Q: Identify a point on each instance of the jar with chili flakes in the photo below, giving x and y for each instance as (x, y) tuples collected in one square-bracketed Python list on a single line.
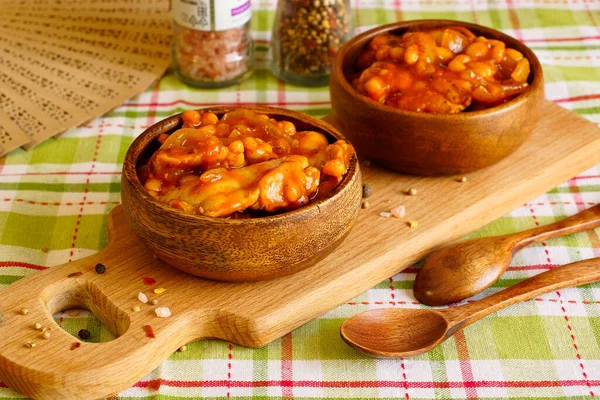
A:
[(307, 35), (212, 46)]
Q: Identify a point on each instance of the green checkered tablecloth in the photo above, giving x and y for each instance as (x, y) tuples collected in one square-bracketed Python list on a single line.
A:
[(57, 197)]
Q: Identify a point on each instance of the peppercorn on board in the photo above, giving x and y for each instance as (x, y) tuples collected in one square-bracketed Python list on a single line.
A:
[(253, 314)]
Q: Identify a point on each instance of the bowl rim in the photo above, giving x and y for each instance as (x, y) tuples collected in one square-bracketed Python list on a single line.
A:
[(364, 37), (170, 124)]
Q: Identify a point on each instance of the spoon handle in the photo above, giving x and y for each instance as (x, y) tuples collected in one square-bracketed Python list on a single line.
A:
[(583, 221), (573, 274)]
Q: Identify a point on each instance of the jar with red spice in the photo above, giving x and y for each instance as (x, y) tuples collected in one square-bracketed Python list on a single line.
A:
[(307, 36), (212, 46)]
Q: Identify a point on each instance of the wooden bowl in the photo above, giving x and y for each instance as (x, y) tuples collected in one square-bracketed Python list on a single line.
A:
[(243, 249), (432, 144)]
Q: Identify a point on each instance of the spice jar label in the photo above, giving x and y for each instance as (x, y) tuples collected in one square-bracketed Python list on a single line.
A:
[(211, 15)]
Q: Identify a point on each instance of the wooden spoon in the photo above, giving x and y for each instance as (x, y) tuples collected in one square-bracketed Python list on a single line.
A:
[(466, 268), (400, 332)]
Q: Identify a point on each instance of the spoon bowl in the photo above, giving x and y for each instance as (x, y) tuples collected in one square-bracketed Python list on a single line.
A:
[(387, 332), (461, 270)]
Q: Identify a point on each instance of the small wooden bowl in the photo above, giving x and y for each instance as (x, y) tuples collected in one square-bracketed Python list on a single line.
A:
[(244, 249), (433, 144)]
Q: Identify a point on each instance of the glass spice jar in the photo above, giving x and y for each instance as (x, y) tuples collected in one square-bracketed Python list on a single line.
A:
[(307, 36), (212, 46)]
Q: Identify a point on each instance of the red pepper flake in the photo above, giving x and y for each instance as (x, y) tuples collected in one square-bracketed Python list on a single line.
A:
[(154, 384), (149, 331), (74, 274), (149, 281), (75, 345)]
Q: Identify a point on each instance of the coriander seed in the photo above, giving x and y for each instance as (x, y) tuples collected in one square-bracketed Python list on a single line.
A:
[(30, 345), (183, 348), (367, 190), (463, 179), (46, 335), (136, 309), (154, 302), (412, 191), (37, 326), (24, 311)]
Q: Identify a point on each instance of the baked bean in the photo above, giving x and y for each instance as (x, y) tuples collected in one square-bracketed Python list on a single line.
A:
[(440, 71), (382, 52), (521, 71), (190, 118), (514, 54), (477, 50), (411, 55), (397, 53), (458, 63)]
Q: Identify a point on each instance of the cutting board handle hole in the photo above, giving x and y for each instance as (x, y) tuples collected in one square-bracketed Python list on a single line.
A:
[(64, 297)]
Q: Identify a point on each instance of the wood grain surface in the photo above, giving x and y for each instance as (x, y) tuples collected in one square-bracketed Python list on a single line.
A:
[(253, 314)]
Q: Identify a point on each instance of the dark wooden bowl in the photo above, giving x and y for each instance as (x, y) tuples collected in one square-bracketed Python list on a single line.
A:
[(245, 249), (432, 144)]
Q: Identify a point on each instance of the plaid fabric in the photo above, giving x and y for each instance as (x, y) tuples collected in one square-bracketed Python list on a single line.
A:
[(58, 195)]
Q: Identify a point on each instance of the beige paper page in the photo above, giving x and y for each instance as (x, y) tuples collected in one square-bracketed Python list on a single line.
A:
[(63, 64)]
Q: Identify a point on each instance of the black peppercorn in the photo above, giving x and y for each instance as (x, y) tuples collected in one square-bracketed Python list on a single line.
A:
[(84, 334), (100, 268)]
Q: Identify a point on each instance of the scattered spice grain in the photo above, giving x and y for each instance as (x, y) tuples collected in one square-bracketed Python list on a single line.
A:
[(24, 311), (149, 281), (163, 312), (154, 302), (385, 214), (412, 191), (136, 309), (159, 290), (142, 297), (463, 179), (84, 334), (44, 249), (30, 345), (398, 212), (75, 345), (367, 190), (364, 204), (73, 313), (149, 331), (183, 348), (367, 163), (46, 335), (37, 326), (413, 224), (74, 274), (100, 268)]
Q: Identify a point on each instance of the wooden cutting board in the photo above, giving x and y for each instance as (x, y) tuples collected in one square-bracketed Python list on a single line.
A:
[(254, 314)]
